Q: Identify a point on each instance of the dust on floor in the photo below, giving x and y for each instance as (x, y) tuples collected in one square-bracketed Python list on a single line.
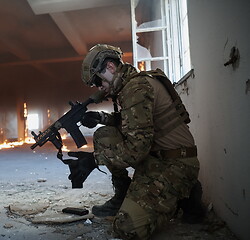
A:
[(35, 189)]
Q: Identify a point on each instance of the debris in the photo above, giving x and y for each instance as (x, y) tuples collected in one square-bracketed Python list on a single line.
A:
[(20, 184), (87, 222), (26, 208), (44, 205), (103, 195), (42, 180), (214, 226), (8, 225), (210, 207), (55, 217), (77, 211), (110, 218)]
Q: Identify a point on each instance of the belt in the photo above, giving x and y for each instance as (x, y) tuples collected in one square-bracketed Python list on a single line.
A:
[(184, 152)]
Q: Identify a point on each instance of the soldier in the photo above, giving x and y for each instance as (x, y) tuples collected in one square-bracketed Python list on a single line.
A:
[(148, 131)]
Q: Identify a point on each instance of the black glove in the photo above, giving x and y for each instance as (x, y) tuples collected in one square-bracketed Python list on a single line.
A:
[(91, 119), (80, 168)]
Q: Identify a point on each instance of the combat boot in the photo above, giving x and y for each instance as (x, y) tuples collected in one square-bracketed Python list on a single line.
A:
[(112, 206), (193, 209)]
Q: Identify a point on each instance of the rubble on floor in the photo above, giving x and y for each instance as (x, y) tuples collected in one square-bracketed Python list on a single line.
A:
[(43, 217), (35, 188)]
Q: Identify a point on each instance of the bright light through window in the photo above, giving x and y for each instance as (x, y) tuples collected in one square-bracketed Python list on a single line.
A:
[(32, 121), (160, 36)]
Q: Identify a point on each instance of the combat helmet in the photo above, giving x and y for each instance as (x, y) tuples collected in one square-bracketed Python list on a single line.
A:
[(92, 63)]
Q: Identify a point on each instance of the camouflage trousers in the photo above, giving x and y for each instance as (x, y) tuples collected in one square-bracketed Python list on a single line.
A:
[(157, 185)]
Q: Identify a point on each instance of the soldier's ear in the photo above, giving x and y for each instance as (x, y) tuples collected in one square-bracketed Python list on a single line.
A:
[(111, 67)]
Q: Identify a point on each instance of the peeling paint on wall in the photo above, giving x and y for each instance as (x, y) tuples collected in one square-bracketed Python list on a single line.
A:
[(247, 86), (244, 193), (231, 210), (234, 58)]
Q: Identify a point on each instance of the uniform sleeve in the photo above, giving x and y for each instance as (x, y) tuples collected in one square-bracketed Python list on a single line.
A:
[(136, 101)]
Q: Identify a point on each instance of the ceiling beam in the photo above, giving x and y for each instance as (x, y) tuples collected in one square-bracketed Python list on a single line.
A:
[(16, 49), (53, 60), (70, 32), (42, 61), (52, 6)]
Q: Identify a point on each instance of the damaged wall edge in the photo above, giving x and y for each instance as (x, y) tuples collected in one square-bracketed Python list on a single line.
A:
[(184, 78)]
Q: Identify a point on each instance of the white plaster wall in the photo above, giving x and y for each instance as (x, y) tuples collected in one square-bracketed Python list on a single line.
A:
[(220, 106)]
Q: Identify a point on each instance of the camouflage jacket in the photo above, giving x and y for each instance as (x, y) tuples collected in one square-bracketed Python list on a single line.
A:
[(135, 100), (144, 108)]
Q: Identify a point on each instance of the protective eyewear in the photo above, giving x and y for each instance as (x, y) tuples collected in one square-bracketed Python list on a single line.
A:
[(97, 81)]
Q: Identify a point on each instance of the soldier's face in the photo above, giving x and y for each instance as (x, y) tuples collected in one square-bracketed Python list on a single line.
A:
[(105, 87), (108, 75)]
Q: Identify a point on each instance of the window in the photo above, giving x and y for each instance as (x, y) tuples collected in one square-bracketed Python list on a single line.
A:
[(32, 121), (160, 36)]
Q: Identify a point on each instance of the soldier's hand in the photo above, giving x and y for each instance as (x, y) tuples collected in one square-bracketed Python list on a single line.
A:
[(80, 168), (86, 160), (91, 119)]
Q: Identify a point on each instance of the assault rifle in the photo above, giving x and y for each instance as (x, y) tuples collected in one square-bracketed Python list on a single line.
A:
[(69, 122)]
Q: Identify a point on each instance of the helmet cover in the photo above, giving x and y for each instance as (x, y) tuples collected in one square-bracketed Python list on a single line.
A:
[(93, 62)]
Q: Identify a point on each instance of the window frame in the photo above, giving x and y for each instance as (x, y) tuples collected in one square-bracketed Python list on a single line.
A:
[(174, 37)]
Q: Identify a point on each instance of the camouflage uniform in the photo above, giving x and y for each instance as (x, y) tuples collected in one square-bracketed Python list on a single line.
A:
[(159, 181)]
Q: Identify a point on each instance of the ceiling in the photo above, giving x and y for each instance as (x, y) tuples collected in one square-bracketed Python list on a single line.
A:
[(43, 42)]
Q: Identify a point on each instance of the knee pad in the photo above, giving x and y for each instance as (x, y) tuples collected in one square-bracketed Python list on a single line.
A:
[(133, 222), (123, 226)]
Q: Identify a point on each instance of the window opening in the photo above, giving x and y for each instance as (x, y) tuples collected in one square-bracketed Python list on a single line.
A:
[(32, 121), (160, 36)]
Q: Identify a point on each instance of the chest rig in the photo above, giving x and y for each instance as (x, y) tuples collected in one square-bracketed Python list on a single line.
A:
[(177, 117)]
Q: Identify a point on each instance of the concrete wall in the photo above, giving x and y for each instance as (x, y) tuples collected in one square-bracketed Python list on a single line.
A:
[(218, 99)]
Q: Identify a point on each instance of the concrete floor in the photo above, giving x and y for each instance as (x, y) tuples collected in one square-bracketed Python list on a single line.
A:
[(34, 186)]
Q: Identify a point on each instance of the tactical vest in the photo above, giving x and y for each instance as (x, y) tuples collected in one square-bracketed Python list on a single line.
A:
[(180, 115)]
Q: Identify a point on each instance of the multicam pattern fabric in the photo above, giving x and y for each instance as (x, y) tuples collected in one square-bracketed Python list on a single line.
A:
[(158, 183), (133, 142), (153, 194), (107, 141)]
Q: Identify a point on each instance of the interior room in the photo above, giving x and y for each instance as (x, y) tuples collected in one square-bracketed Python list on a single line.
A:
[(202, 46)]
